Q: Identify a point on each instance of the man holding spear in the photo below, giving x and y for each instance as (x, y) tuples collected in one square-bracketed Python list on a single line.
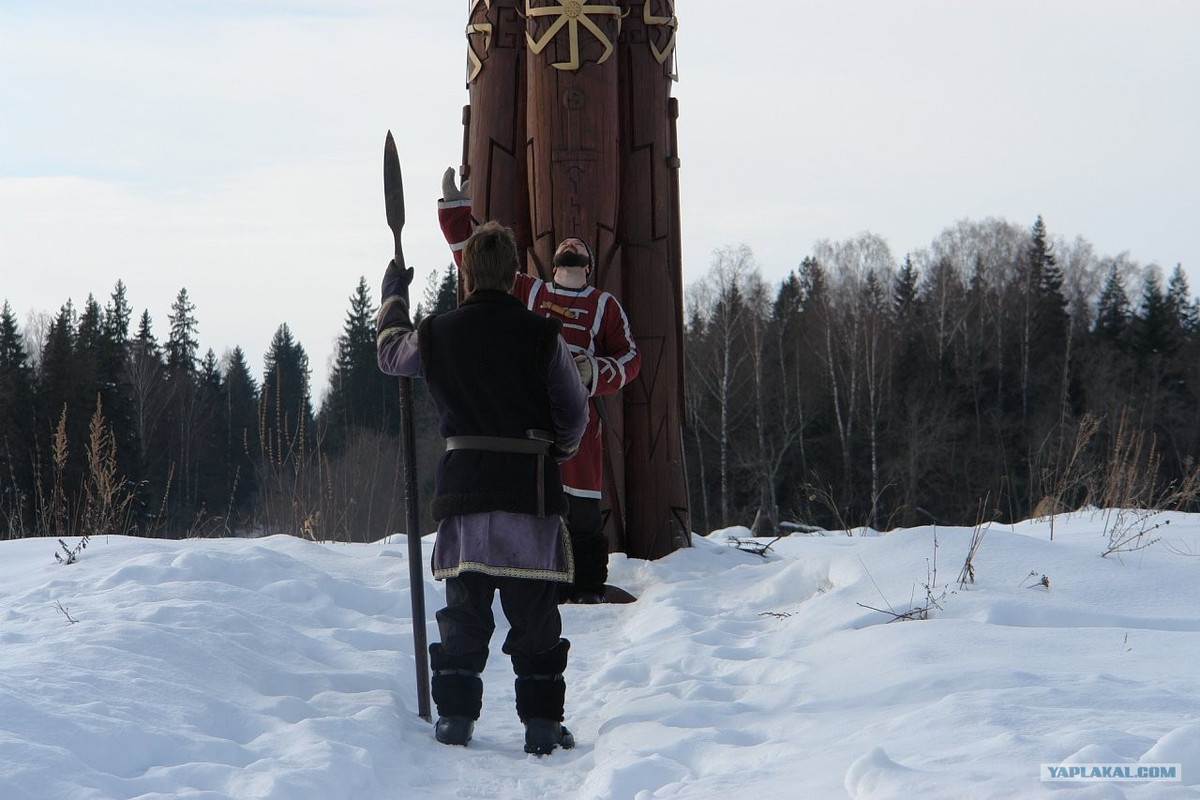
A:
[(511, 406)]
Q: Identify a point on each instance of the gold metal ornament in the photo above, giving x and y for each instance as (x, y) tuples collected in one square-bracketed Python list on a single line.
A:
[(671, 22), (476, 62), (572, 13), (486, 29)]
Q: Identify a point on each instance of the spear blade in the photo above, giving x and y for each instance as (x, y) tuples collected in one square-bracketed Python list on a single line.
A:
[(393, 194)]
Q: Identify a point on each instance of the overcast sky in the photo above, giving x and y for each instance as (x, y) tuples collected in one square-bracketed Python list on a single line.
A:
[(235, 148)]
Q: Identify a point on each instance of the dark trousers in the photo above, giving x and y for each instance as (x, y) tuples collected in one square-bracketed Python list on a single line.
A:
[(539, 654), (466, 623), (588, 543)]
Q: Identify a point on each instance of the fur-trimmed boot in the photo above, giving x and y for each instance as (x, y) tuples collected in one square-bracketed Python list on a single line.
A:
[(541, 698), (458, 693)]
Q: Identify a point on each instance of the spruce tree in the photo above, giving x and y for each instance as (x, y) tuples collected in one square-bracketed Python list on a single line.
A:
[(56, 393), (16, 427), (87, 352), (182, 344), (1051, 318), (447, 296), (906, 309), (16, 375), (1157, 326), (441, 294), (150, 394), (1045, 264), (117, 314), (287, 406), (1185, 308), (1112, 311), (1046, 355), (1109, 375), (184, 412), (239, 391), (116, 390), (210, 371), (813, 282), (793, 388), (1168, 362), (89, 382), (359, 394), (212, 497), (904, 290), (56, 380), (144, 337)]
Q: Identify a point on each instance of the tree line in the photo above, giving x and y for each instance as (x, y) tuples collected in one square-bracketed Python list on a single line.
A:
[(999, 373), (105, 428)]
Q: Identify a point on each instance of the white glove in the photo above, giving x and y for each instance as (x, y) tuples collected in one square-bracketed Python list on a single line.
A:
[(452, 192), (584, 365)]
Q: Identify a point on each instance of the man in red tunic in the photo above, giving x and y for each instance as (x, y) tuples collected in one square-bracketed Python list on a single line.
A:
[(596, 330)]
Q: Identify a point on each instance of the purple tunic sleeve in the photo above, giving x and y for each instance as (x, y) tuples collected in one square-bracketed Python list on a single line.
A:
[(395, 340), (398, 354)]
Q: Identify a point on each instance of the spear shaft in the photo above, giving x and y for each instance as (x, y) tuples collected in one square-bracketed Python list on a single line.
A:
[(393, 195)]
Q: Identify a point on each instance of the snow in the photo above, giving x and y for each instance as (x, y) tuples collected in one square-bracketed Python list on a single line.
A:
[(283, 668)]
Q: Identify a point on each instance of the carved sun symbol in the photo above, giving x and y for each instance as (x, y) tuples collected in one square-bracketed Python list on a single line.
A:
[(572, 13)]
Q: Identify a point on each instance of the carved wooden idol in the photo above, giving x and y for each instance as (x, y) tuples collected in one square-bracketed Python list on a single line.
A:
[(570, 131)]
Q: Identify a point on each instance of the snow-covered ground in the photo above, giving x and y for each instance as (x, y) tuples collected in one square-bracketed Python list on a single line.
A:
[(280, 668)]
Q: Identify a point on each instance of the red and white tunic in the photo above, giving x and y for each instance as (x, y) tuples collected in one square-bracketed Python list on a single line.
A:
[(593, 324)]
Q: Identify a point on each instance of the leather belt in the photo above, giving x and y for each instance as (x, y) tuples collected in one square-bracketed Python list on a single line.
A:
[(536, 443)]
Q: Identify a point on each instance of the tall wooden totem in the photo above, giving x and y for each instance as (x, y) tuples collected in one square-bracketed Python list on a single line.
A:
[(570, 131)]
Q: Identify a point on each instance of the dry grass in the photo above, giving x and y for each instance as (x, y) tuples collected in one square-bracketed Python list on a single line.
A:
[(107, 499), (1131, 495), (967, 573)]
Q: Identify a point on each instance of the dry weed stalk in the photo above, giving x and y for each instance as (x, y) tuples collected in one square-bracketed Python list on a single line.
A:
[(824, 497), (915, 612), (296, 489), (1132, 499), (967, 574), (1043, 581), (751, 546), (106, 499), (1070, 476), (72, 553), (1132, 468), (161, 517), (14, 506), (57, 514), (66, 612)]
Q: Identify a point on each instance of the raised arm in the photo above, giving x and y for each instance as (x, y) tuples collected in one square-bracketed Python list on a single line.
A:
[(454, 214), (395, 340)]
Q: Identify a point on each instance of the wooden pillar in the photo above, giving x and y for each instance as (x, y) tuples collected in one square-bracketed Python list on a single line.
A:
[(570, 131), (572, 124), (656, 512), (494, 122)]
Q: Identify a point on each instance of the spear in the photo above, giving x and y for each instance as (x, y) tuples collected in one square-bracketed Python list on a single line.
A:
[(393, 196)]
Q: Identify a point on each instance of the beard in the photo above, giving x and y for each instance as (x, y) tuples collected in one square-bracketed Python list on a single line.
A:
[(570, 258)]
